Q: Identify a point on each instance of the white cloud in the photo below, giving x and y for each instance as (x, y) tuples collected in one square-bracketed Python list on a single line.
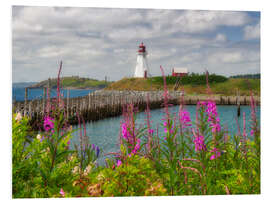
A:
[(203, 21), (225, 57), (220, 38), (92, 41), (252, 31), (233, 55)]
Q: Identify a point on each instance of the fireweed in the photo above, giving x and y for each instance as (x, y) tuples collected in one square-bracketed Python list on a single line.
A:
[(150, 132), (130, 135), (198, 141), (46, 162), (48, 123), (184, 158), (184, 119)]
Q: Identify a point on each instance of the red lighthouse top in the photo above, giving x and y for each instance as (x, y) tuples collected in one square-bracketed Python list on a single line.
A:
[(141, 48)]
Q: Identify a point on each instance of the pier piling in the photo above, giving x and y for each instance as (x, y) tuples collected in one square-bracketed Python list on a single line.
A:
[(102, 104)]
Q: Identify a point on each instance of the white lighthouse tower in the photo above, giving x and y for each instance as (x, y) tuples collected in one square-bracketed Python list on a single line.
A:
[(141, 69)]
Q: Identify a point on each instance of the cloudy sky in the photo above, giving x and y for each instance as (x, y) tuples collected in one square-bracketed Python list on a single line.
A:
[(96, 42)]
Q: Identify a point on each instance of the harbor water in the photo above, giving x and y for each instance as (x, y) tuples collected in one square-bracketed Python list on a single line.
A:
[(105, 133)]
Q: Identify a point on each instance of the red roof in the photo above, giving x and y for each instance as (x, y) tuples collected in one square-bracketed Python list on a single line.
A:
[(141, 48)]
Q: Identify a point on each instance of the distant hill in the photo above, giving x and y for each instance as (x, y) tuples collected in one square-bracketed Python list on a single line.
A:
[(22, 84), (221, 87), (73, 82), (247, 76)]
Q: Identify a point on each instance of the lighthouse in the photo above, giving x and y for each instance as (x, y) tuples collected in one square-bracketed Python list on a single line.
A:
[(141, 69)]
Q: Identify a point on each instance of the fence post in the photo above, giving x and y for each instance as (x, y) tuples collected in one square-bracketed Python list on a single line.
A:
[(25, 101), (68, 103)]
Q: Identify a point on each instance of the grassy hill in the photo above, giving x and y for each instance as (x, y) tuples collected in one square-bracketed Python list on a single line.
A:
[(22, 84), (227, 87), (248, 76), (73, 82)]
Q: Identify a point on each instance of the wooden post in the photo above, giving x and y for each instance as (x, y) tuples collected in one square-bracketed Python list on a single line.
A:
[(25, 101), (30, 110), (238, 108), (49, 88), (72, 106), (68, 102), (44, 99)]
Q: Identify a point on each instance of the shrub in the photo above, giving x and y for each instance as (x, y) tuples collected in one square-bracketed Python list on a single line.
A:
[(191, 79), (134, 176)]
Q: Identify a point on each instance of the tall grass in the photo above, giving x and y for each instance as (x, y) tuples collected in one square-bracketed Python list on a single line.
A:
[(229, 87)]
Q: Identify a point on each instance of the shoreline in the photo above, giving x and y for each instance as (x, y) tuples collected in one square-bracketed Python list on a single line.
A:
[(67, 88), (102, 104), (132, 96)]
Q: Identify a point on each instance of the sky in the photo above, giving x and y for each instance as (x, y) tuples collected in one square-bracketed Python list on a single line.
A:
[(99, 42)]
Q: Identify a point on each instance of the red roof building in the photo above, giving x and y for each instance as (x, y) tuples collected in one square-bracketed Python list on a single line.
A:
[(179, 72)]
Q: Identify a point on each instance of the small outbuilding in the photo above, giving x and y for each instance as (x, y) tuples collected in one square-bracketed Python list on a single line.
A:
[(179, 72)]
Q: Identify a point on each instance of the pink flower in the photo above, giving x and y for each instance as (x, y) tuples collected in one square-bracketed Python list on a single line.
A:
[(151, 131), (124, 131), (213, 119), (137, 147), (216, 154), (215, 127), (199, 142), (251, 132), (165, 130), (184, 118), (119, 162), (48, 123), (62, 192), (212, 157)]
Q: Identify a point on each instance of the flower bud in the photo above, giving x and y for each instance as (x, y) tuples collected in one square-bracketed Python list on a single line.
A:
[(18, 117), (39, 137)]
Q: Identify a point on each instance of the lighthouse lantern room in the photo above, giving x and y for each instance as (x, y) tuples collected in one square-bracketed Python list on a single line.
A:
[(141, 69)]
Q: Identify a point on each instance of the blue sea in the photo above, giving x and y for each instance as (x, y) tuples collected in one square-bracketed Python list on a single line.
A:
[(105, 133), (18, 93)]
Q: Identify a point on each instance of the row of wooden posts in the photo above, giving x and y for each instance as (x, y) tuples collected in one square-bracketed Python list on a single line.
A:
[(103, 104)]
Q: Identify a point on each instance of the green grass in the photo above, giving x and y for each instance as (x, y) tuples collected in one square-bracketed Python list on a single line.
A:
[(193, 79), (75, 82), (228, 87), (233, 85)]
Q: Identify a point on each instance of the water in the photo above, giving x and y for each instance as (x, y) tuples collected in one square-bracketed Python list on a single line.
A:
[(105, 133), (18, 93)]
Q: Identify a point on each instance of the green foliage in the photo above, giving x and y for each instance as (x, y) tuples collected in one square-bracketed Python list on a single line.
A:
[(134, 177), (22, 168), (192, 79), (247, 76), (40, 165), (231, 86), (242, 86), (74, 82), (172, 163)]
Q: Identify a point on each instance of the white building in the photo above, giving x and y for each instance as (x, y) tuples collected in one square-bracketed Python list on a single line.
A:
[(141, 69), (179, 71)]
